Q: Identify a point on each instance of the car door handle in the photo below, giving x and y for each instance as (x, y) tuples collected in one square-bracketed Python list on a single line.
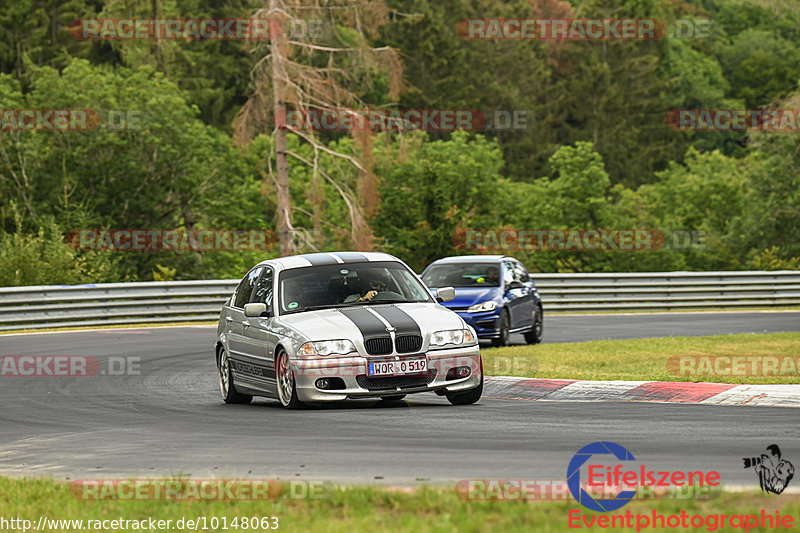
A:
[(246, 324), (228, 319)]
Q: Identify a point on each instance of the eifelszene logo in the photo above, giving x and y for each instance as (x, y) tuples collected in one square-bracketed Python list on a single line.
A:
[(600, 474), (574, 476), (774, 473)]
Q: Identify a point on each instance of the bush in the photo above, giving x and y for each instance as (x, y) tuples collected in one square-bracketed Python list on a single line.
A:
[(45, 258)]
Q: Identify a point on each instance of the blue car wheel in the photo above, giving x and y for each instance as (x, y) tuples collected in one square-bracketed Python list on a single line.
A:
[(504, 325), (536, 334)]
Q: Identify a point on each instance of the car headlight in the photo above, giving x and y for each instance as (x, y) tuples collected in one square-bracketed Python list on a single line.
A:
[(481, 307), (323, 348), (455, 337)]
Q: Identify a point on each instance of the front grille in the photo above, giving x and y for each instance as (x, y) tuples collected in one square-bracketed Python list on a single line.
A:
[(408, 343), (379, 346), (392, 382)]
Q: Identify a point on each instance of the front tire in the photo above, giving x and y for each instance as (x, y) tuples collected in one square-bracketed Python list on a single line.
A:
[(505, 327), (469, 397), (226, 385), (284, 375), (536, 335)]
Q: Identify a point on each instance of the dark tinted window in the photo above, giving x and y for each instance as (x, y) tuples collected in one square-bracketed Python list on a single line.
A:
[(463, 275), (521, 273), (508, 273), (263, 292), (344, 284), (246, 287)]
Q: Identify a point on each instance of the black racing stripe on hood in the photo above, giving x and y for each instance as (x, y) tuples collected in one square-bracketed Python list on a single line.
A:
[(368, 324), (399, 319)]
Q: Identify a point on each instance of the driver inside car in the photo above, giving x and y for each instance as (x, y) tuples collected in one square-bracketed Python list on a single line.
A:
[(492, 277), (373, 284)]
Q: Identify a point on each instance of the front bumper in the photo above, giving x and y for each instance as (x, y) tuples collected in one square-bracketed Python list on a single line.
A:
[(486, 324), (352, 370)]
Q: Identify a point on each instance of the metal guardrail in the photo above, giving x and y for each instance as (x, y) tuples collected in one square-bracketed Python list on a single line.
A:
[(54, 306), (665, 291)]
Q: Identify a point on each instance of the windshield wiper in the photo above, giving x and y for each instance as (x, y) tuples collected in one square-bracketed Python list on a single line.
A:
[(319, 307), (395, 301), (330, 306), (354, 303)]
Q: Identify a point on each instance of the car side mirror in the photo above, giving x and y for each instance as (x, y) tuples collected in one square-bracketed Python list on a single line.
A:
[(253, 310), (445, 294), (515, 285)]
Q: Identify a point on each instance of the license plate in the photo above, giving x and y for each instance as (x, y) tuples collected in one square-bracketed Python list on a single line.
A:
[(392, 368)]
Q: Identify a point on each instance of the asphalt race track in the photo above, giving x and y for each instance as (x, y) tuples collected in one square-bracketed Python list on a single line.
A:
[(168, 419), (580, 328)]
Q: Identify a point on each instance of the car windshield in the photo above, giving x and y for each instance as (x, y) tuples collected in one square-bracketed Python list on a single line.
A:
[(463, 275), (350, 284)]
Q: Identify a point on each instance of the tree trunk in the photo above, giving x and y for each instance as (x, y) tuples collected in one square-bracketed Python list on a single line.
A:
[(157, 37), (285, 237)]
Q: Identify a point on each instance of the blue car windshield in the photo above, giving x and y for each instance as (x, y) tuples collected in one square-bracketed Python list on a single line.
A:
[(463, 275), (349, 284)]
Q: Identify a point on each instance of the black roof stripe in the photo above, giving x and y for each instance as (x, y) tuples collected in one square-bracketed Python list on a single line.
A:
[(350, 257), (320, 259)]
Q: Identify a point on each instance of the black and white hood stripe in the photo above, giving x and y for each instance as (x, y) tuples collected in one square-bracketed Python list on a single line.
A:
[(360, 323)]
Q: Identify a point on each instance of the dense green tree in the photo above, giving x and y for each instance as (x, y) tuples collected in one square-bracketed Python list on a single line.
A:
[(709, 194), (774, 194), (445, 71), (429, 190), (37, 32), (159, 170), (597, 152), (213, 73)]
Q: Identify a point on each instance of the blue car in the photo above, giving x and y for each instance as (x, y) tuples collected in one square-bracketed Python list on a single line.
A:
[(494, 295)]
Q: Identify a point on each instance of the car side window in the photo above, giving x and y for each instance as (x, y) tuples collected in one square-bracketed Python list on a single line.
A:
[(508, 273), (521, 273), (263, 292), (246, 287)]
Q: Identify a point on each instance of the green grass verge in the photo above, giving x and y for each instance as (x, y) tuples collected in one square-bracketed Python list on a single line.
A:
[(356, 509), (641, 359)]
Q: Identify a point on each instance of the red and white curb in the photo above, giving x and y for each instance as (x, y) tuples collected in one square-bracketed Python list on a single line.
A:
[(566, 390)]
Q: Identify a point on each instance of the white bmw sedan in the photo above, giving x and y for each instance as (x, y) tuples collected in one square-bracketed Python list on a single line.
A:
[(331, 326)]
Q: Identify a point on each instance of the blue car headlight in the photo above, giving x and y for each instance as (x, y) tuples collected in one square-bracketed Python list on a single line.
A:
[(483, 306)]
